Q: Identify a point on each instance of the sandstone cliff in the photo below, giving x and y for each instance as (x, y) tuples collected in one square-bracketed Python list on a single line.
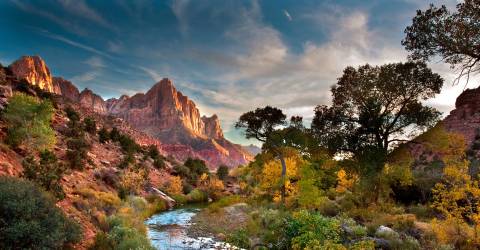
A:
[(167, 114), (34, 70), (65, 88), (465, 118)]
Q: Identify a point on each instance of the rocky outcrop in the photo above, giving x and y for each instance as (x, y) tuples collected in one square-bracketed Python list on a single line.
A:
[(465, 118), (34, 70), (212, 127), (93, 101), (65, 88)]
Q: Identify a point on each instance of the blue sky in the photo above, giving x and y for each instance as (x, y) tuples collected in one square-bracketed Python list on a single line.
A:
[(228, 56)]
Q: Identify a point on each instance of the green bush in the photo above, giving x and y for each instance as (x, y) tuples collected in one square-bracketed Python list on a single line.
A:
[(197, 195), (114, 134), (47, 173), (75, 128), (159, 163), (28, 122), (306, 229), (239, 238), (128, 145), (30, 219), (191, 170), (77, 152), (103, 135), (120, 235), (90, 125), (222, 172)]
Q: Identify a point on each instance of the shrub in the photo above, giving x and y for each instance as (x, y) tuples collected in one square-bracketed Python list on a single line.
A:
[(30, 219), (114, 134), (197, 195), (103, 135), (159, 163), (127, 144), (174, 185), (47, 173), (77, 152), (239, 238), (121, 235), (28, 122), (75, 128), (307, 229), (131, 182), (90, 125), (196, 168), (222, 172), (153, 152)]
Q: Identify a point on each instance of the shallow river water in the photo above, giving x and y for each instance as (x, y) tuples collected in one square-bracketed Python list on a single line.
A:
[(168, 230)]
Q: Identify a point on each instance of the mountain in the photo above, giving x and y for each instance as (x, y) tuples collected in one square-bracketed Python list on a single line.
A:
[(162, 112), (167, 114)]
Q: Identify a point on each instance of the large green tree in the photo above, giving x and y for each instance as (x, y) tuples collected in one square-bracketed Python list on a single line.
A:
[(452, 36), (376, 106)]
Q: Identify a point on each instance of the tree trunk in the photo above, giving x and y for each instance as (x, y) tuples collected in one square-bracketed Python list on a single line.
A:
[(284, 173)]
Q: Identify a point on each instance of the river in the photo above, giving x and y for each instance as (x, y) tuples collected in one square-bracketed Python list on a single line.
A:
[(168, 230)]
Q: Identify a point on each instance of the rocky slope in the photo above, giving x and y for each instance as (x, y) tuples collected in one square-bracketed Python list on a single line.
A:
[(163, 113)]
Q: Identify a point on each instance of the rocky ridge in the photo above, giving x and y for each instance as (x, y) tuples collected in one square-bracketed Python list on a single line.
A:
[(162, 112)]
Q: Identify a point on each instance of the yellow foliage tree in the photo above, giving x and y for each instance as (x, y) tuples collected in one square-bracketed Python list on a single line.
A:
[(271, 181), (344, 181), (132, 181), (457, 196), (174, 185)]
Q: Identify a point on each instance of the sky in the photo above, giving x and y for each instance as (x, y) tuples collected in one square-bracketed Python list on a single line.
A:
[(228, 56)]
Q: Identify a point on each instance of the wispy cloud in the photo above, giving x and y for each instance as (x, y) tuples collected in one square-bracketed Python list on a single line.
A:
[(152, 73), (95, 62), (179, 9), (287, 15), (63, 39), (81, 9)]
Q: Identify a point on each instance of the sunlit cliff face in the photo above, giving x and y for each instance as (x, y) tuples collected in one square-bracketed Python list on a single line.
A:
[(35, 71)]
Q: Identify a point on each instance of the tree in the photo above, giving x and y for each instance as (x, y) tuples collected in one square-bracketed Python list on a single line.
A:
[(103, 135), (77, 152), (28, 121), (75, 128), (47, 173), (222, 172), (264, 124), (374, 107), (196, 168), (452, 36), (90, 125), (30, 219)]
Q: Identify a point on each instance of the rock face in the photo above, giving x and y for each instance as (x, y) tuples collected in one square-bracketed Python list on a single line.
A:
[(65, 88), (465, 118), (93, 101), (34, 70), (166, 114)]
